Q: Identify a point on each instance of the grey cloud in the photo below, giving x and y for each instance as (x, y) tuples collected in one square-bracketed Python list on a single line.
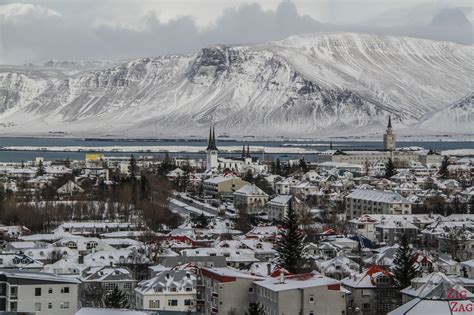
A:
[(44, 38)]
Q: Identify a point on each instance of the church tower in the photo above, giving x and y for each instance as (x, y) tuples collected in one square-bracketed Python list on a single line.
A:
[(248, 157), (389, 142), (212, 151)]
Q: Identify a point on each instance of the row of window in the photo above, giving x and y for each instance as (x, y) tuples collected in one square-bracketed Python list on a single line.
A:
[(63, 305), (50, 291), (112, 286), (173, 289), (173, 302)]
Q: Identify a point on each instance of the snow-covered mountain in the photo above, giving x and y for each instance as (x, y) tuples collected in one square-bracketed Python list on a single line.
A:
[(317, 84), (457, 118)]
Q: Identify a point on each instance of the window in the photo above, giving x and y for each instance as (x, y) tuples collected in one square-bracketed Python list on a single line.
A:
[(65, 290), (251, 289), (173, 289), (311, 313), (65, 305), (50, 305), (189, 289), (37, 291), (37, 307), (188, 302), (13, 306), (366, 306), (311, 299), (127, 285), (50, 291), (110, 286), (172, 302), (154, 304)]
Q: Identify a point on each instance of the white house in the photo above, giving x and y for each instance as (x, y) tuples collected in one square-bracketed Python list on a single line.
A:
[(171, 290), (38, 293)]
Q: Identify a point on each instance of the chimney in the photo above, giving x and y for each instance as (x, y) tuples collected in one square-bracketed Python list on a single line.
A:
[(282, 277), (167, 276)]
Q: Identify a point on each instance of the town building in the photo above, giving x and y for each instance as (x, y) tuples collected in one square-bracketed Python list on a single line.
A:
[(223, 186), (224, 291), (371, 158), (309, 293), (251, 198), (373, 291), (170, 290), (99, 282), (369, 201), (38, 293)]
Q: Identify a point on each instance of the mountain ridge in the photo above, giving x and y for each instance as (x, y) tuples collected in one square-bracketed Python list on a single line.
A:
[(313, 84)]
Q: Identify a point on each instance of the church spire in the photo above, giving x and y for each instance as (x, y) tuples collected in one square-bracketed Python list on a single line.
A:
[(243, 150), (209, 139), (248, 151), (211, 145), (389, 122)]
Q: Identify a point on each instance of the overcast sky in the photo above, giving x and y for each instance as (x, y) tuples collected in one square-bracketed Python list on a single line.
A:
[(41, 30)]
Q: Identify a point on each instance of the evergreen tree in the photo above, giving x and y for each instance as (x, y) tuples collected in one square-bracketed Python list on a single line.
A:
[(290, 244), (255, 309), (389, 169), (443, 170), (278, 167), (404, 264), (40, 171), (248, 176), (184, 182), (116, 299), (367, 167), (303, 165), (201, 221), (166, 165), (132, 167), (145, 189), (242, 222), (2, 197), (273, 168), (67, 163)]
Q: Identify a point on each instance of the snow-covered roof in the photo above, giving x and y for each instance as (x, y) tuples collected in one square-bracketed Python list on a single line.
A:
[(378, 196), (108, 311), (296, 282), (182, 280), (40, 276), (110, 274), (231, 254), (250, 190), (366, 279), (70, 187), (219, 179), (436, 285), (433, 307), (231, 272), (280, 200)]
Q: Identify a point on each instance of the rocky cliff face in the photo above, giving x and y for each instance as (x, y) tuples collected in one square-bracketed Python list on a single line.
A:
[(333, 84)]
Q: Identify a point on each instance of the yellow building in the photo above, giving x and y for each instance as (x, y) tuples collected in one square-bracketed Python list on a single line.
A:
[(94, 157)]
